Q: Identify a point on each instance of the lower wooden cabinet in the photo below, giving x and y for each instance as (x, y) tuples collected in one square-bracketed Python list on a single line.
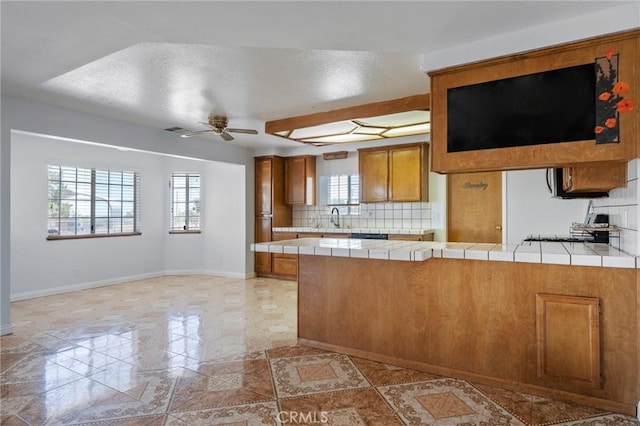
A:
[(411, 237), (285, 265), (568, 340)]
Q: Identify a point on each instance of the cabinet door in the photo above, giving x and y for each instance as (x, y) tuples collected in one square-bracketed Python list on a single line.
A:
[(285, 265), (295, 180), (594, 177), (263, 233), (374, 175), (568, 339), (264, 188), (406, 173), (405, 237)]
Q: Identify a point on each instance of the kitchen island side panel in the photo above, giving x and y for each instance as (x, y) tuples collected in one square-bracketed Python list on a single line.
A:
[(472, 319)]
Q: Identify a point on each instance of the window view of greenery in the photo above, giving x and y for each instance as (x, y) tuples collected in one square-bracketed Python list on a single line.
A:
[(343, 191), (185, 202), (92, 201)]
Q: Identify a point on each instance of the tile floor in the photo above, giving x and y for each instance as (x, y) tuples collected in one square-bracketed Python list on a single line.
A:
[(200, 350)]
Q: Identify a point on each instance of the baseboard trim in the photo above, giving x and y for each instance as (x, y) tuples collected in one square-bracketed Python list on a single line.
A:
[(6, 329), (120, 280), (82, 286)]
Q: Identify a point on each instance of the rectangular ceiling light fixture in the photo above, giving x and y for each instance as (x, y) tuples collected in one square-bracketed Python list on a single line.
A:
[(388, 119)]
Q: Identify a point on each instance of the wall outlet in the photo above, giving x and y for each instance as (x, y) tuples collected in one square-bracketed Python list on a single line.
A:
[(76, 271)]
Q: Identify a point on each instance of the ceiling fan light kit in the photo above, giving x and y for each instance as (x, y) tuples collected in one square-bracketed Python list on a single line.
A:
[(218, 125)]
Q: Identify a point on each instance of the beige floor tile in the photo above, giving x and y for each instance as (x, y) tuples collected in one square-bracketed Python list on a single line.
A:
[(202, 350)]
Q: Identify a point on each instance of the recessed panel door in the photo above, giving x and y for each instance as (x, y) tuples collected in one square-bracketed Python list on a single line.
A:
[(474, 207)]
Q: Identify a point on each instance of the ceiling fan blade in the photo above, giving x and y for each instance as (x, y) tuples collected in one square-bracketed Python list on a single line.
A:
[(226, 136), (247, 131), (199, 132)]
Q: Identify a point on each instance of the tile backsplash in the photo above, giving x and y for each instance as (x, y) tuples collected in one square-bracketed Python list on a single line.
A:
[(622, 208), (415, 215)]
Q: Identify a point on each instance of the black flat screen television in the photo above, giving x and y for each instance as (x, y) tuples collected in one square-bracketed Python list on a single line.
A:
[(541, 108)]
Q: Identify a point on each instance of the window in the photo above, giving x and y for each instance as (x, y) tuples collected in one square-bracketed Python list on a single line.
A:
[(185, 202), (85, 202), (344, 192)]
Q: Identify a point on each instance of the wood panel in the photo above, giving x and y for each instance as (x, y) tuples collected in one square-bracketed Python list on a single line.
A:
[(271, 211), (281, 236), (470, 319), (300, 180), (285, 265), (411, 237), (408, 176), (263, 185), (374, 174), (408, 103), (594, 177), (263, 234), (474, 207), (536, 156), (568, 339)]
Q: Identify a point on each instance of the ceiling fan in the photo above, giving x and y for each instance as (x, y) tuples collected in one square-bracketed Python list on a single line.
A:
[(218, 125)]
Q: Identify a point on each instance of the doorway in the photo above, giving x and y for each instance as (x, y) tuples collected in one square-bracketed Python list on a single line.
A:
[(474, 207)]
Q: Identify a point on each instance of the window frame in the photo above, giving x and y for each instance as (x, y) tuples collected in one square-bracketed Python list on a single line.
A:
[(92, 199), (186, 229), (352, 206)]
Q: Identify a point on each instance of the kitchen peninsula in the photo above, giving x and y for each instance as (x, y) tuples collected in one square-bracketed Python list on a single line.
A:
[(531, 317)]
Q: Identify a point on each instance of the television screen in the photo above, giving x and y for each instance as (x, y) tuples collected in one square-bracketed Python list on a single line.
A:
[(541, 108)]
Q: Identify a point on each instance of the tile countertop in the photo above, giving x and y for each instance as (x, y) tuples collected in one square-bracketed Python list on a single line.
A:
[(578, 254), (335, 230)]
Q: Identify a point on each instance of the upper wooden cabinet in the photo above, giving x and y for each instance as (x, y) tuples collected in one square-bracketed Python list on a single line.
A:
[(300, 180), (594, 177), (373, 164), (393, 173), (445, 83), (264, 185), (269, 187)]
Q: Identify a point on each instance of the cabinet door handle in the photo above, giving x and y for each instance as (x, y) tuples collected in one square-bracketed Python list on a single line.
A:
[(498, 228)]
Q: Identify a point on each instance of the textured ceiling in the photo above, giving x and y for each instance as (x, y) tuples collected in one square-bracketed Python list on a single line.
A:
[(172, 63)]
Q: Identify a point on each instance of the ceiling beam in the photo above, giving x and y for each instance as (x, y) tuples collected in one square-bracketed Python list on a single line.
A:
[(408, 103)]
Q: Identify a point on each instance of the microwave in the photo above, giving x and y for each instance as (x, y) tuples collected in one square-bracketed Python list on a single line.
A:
[(554, 183)]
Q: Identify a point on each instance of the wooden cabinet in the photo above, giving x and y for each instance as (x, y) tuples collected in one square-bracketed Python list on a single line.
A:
[(394, 173), (411, 237), (264, 185), (546, 155), (263, 234), (300, 180), (481, 322), (271, 211), (408, 173), (373, 165), (285, 265), (594, 177), (568, 340)]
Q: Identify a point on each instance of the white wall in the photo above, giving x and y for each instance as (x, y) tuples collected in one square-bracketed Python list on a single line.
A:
[(623, 211), (530, 208), (40, 267), (25, 115)]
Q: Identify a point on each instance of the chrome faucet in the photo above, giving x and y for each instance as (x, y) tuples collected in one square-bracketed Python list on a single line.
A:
[(335, 219)]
